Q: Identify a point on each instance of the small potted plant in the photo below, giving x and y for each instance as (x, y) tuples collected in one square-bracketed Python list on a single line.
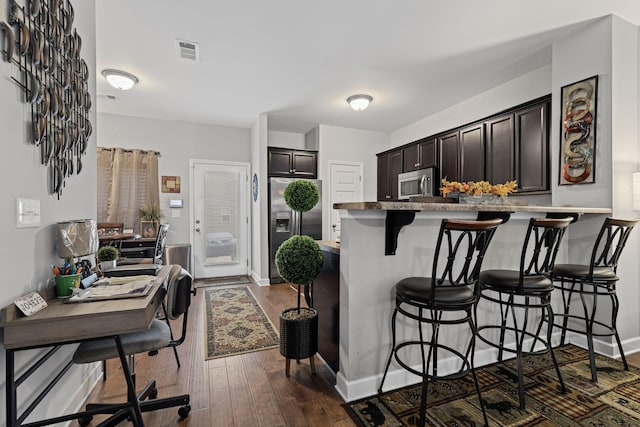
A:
[(107, 256)]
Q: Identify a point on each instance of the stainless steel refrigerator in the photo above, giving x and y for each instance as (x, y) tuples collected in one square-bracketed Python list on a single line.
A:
[(282, 221)]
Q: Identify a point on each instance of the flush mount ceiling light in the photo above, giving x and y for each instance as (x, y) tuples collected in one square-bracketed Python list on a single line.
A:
[(359, 102), (120, 79)]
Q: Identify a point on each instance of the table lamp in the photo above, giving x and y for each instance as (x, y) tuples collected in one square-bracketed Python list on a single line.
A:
[(76, 238)]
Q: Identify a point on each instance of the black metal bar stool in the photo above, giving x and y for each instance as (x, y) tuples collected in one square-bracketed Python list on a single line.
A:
[(591, 282), (526, 289), (460, 247)]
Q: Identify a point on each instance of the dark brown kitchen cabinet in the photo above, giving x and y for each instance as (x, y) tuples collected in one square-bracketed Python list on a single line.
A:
[(389, 167), (532, 147), (472, 153), (419, 155), (500, 149), (449, 147), (292, 163)]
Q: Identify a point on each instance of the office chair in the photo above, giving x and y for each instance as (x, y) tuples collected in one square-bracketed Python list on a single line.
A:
[(158, 336)]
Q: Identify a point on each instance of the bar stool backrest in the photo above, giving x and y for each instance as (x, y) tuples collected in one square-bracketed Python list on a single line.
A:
[(463, 242), (609, 244), (541, 245)]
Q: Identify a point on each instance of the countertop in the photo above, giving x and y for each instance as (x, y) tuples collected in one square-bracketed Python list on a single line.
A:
[(459, 207), (329, 246)]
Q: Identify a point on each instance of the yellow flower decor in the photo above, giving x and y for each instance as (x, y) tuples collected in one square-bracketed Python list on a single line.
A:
[(477, 188)]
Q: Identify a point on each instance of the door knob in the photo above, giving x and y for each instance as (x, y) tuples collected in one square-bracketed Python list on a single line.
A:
[(333, 226), (197, 221), (198, 229)]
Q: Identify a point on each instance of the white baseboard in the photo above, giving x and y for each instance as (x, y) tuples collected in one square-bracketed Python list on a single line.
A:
[(259, 280)]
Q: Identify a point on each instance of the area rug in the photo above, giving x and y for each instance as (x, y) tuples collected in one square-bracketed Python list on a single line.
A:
[(614, 401), (236, 323), (223, 281)]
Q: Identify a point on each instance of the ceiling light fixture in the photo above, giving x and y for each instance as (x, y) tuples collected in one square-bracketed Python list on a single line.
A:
[(120, 79), (359, 102)]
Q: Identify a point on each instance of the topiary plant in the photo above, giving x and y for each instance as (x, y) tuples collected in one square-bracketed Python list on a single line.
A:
[(299, 261), (301, 195), (107, 253)]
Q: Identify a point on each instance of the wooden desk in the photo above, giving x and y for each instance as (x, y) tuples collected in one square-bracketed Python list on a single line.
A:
[(65, 323)]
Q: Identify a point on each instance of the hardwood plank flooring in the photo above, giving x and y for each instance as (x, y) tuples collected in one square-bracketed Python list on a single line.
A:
[(242, 391)]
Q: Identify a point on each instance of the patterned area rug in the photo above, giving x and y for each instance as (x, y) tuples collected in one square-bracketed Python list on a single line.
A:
[(236, 323), (614, 401)]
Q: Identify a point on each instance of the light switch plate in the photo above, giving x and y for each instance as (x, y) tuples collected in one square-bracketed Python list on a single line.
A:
[(28, 211)]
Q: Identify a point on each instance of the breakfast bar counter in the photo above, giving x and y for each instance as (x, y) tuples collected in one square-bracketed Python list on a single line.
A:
[(369, 270)]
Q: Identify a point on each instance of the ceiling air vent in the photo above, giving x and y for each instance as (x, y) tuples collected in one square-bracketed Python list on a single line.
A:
[(188, 50)]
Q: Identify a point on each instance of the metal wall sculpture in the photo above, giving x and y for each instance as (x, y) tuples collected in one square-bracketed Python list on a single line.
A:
[(39, 37), (578, 134)]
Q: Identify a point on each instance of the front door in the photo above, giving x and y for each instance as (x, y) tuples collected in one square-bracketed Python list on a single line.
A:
[(345, 185), (219, 215)]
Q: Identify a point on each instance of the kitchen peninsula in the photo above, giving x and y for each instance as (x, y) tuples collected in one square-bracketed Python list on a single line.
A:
[(369, 270)]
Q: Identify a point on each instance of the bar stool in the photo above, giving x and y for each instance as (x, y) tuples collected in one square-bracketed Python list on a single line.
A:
[(528, 288), (592, 281), (450, 289)]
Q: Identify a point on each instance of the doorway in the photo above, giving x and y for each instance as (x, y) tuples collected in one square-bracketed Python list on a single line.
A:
[(219, 218), (345, 185)]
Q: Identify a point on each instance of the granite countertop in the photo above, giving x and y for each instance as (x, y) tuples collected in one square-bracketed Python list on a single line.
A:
[(434, 207), (329, 246)]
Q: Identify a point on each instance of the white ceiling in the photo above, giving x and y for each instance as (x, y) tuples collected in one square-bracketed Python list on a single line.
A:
[(298, 60)]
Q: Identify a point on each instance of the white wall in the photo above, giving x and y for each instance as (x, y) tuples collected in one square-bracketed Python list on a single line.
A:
[(291, 140), (530, 86), (178, 142), (347, 144), (259, 207), (28, 253)]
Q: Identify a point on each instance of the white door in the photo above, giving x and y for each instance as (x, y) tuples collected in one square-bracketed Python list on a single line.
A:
[(345, 185), (219, 215)]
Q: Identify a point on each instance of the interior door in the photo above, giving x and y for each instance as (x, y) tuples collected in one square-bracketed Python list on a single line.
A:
[(345, 185), (220, 223)]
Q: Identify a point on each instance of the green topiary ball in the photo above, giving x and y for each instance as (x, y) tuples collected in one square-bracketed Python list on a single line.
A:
[(301, 196), (299, 260)]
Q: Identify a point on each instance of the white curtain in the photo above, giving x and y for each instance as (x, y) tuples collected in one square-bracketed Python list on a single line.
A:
[(127, 179)]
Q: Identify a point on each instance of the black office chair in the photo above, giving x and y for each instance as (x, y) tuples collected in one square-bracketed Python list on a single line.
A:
[(158, 336), (450, 289), (592, 281), (520, 289)]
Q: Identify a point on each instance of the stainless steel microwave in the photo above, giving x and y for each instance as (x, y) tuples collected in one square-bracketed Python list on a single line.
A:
[(418, 183)]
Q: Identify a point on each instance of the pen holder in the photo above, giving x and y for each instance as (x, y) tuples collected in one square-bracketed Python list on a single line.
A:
[(66, 284)]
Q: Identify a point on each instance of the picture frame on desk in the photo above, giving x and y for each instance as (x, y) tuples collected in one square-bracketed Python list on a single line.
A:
[(148, 229)]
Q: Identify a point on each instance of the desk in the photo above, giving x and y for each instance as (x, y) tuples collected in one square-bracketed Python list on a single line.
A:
[(66, 323), (109, 239)]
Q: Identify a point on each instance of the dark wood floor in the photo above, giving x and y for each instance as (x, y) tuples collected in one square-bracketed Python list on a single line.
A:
[(243, 391)]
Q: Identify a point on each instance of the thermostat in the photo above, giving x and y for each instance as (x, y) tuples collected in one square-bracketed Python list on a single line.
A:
[(175, 203)]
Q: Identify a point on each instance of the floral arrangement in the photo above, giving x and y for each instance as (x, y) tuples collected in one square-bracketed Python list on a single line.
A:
[(477, 188)]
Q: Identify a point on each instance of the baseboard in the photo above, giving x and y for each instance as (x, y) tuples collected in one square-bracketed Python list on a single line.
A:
[(258, 280)]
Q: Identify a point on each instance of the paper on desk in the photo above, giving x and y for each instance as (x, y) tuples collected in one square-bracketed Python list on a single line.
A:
[(117, 287)]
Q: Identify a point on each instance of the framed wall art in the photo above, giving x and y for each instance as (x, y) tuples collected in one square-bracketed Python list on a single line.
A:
[(578, 132), (170, 184), (148, 229)]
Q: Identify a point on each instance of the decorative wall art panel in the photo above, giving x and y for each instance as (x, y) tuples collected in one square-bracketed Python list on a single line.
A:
[(578, 132), (170, 184), (41, 40)]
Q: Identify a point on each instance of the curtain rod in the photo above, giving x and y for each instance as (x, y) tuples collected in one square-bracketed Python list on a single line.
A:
[(130, 150)]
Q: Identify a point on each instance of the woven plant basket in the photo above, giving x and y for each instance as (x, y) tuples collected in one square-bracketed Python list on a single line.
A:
[(299, 337)]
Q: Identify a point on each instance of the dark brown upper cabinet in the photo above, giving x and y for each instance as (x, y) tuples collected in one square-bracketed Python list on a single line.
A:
[(472, 153), (449, 147), (532, 147), (389, 167), (285, 162), (500, 149), (419, 155)]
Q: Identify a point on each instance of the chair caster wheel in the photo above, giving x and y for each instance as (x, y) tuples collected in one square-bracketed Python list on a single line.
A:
[(85, 421), (184, 411)]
